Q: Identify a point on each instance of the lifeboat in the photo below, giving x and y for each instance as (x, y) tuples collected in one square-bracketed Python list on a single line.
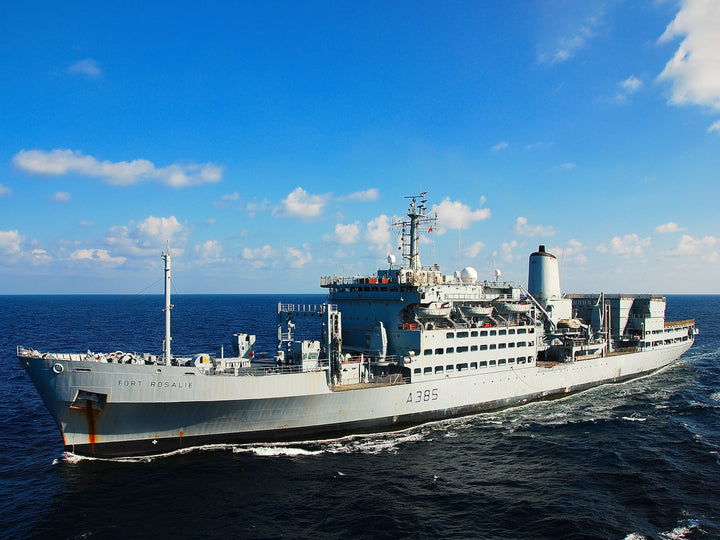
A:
[(514, 307), (476, 311), (434, 310)]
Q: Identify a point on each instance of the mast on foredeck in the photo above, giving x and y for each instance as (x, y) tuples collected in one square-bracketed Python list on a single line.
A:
[(411, 228), (168, 306)]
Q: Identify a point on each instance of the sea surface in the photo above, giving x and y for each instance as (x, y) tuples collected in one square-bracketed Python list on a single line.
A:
[(627, 461)]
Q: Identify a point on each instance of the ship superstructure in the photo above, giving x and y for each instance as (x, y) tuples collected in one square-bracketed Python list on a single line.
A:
[(404, 345)]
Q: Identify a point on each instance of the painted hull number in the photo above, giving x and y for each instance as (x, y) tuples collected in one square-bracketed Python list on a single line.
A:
[(422, 395)]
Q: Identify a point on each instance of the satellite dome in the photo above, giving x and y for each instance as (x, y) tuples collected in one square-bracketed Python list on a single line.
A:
[(391, 259), (469, 275)]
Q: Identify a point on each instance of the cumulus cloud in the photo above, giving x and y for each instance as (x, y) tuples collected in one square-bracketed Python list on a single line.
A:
[(522, 228), (346, 234), (60, 197), (631, 84), (208, 251), (148, 237), (506, 251), (10, 242), (630, 244), (378, 234), (97, 255), (572, 250), (669, 227), (121, 173), (694, 71), (474, 249), (452, 215), (715, 126), (260, 257), (87, 67), (5, 191), (299, 203), (702, 247), (299, 258)]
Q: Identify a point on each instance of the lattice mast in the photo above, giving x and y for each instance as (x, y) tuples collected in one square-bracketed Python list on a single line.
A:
[(418, 221)]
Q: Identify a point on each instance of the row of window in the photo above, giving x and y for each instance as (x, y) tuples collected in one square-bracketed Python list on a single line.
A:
[(667, 341), (484, 347), (473, 365), (490, 332)]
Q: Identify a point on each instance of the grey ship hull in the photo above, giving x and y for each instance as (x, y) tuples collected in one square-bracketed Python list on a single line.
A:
[(150, 409)]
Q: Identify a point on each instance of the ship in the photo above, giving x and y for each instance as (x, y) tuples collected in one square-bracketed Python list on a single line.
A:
[(403, 346)]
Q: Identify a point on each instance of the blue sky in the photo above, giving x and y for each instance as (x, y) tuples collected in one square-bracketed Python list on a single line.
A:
[(273, 142)]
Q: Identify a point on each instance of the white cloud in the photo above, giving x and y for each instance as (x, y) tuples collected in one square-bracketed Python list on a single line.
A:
[(347, 234), (715, 126), (568, 46), (60, 196), (371, 194), (506, 251), (630, 244), (566, 166), (122, 173), (39, 256), (148, 237), (260, 257), (209, 251), (500, 146), (253, 207), (572, 250), (694, 70), (299, 258), (378, 234), (234, 196), (453, 215), (97, 255), (10, 242), (5, 191), (474, 249), (299, 203), (669, 227), (87, 67), (689, 246), (631, 85), (523, 229)]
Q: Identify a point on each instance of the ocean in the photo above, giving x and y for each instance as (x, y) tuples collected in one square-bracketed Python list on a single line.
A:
[(629, 461)]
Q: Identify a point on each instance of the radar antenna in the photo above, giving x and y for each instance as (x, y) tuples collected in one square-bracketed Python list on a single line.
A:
[(418, 221)]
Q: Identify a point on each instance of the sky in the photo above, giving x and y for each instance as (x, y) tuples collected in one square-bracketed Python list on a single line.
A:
[(272, 143)]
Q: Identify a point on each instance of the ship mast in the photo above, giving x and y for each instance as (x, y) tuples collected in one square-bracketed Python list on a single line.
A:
[(168, 306), (417, 223)]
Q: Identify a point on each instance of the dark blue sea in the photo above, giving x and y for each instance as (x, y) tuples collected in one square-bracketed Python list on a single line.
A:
[(628, 461)]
